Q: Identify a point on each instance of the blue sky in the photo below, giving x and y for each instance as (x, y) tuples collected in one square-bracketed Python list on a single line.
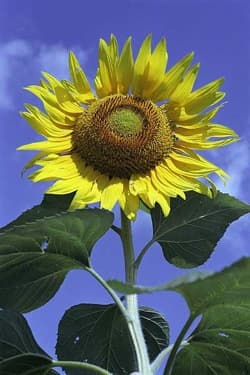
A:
[(36, 36)]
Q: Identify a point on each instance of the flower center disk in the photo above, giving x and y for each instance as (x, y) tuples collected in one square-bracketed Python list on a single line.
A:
[(121, 135)]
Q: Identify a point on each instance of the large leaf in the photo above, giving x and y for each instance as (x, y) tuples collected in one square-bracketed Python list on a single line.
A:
[(221, 342), (125, 288), (35, 256), (202, 289), (156, 331), (230, 286), (96, 334), (19, 352), (99, 334), (50, 205), (219, 345), (190, 233)]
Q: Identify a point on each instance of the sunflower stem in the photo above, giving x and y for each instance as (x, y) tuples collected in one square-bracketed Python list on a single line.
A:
[(131, 300)]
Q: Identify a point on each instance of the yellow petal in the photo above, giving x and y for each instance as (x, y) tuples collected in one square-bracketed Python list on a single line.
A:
[(106, 78), (190, 166), (43, 124), (172, 78), (63, 96), (79, 79), (113, 47), (43, 94), (55, 145), (182, 91), (111, 193), (77, 75), (129, 202), (125, 68), (177, 113), (169, 184), (87, 193), (137, 185), (164, 202), (204, 97), (32, 161), (65, 186), (218, 130), (141, 66), (63, 167), (202, 132), (153, 196), (205, 145), (155, 73), (60, 117)]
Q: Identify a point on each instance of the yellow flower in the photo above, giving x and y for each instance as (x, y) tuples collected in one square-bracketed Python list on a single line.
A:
[(134, 137)]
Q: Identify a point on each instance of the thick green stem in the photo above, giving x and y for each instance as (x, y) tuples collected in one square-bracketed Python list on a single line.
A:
[(81, 365), (177, 344), (132, 302)]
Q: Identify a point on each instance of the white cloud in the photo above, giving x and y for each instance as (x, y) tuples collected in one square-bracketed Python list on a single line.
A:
[(10, 54), (54, 59), (236, 163), (20, 61)]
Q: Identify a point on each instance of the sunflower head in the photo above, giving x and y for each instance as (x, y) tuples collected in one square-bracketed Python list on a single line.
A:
[(118, 144), (122, 135)]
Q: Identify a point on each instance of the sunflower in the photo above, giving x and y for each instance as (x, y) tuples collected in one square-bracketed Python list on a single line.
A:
[(134, 137)]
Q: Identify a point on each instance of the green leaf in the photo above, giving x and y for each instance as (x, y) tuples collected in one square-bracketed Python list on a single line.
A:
[(156, 331), (19, 352), (219, 345), (99, 334), (57, 202), (36, 256), (202, 289), (190, 233), (50, 205), (125, 288), (230, 286), (221, 342)]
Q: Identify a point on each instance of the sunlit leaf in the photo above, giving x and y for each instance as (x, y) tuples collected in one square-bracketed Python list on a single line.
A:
[(219, 345), (36, 255), (189, 234), (50, 205), (221, 342), (230, 286)]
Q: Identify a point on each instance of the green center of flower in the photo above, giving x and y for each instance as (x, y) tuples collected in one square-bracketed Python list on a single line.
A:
[(126, 121), (122, 135)]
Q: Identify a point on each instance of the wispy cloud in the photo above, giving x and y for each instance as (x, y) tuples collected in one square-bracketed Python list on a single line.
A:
[(11, 55), (236, 162), (54, 59), (21, 64)]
